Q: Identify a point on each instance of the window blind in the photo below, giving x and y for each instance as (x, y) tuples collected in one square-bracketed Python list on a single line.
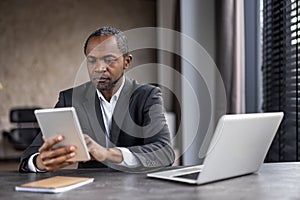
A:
[(280, 69)]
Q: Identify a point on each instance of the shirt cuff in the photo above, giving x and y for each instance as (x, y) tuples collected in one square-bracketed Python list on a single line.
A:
[(31, 165), (129, 160)]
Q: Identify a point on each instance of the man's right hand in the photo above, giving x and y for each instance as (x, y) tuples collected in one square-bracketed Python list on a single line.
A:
[(51, 159)]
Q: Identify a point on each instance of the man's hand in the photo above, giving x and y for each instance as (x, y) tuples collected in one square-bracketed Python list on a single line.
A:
[(54, 159), (100, 153)]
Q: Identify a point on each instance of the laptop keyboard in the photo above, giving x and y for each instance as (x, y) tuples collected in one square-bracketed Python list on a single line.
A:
[(193, 176)]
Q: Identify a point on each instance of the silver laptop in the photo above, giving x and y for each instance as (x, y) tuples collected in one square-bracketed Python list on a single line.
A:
[(238, 147)]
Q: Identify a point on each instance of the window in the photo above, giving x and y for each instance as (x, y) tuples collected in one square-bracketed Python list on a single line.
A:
[(281, 75)]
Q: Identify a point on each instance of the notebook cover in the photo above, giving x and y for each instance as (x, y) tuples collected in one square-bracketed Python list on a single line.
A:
[(54, 184)]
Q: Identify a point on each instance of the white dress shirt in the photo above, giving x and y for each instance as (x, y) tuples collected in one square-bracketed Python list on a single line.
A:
[(129, 160)]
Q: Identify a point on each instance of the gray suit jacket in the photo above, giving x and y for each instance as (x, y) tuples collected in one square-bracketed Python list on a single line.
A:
[(138, 124)]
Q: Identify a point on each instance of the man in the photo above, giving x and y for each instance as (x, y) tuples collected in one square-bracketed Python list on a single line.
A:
[(123, 121)]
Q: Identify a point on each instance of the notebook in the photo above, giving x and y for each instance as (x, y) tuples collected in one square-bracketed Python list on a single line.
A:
[(54, 184), (238, 147)]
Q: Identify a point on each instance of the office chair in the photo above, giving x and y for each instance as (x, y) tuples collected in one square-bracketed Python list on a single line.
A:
[(26, 127)]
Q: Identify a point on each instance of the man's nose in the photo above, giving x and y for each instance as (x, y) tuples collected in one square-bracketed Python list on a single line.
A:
[(101, 66)]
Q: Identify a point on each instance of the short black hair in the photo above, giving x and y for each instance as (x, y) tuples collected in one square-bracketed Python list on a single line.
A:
[(107, 30)]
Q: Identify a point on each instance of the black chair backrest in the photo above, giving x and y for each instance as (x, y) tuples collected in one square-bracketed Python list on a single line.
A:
[(21, 138), (22, 115), (27, 127)]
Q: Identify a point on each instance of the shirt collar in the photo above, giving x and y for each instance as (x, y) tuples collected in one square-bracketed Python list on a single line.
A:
[(115, 96)]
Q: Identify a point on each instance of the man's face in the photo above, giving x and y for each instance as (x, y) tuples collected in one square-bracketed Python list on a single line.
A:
[(105, 61)]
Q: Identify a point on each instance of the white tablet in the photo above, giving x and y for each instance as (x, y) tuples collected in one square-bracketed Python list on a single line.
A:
[(63, 121)]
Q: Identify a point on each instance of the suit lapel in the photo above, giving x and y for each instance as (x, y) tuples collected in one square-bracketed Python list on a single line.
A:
[(122, 107), (94, 113)]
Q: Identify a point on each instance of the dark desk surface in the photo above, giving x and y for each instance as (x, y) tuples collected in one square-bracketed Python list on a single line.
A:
[(273, 181)]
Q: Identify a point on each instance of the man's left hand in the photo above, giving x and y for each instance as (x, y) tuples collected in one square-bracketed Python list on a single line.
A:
[(100, 153)]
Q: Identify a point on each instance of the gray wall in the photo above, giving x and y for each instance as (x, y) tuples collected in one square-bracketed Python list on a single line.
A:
[(41, 44)]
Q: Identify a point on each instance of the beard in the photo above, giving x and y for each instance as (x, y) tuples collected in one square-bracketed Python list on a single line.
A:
[(106, 84)]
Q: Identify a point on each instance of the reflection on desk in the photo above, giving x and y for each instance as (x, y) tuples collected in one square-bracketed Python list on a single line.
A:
[(273, 181)]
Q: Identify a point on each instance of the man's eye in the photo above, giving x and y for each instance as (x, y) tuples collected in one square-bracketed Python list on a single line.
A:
[(91, 61), (109, 60)]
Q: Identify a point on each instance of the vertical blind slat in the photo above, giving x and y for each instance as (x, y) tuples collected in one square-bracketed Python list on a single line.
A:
[(280, 68)]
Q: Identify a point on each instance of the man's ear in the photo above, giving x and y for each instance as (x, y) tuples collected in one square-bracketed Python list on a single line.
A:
[(127, 61)]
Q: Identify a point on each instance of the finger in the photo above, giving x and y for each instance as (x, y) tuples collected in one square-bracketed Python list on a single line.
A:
[(86, 137), (48, 144), (44, 138), (58, 161), (88, 140), (57, 152)]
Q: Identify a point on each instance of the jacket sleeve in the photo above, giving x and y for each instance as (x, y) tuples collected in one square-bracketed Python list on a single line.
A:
[(37, 142), (157, 150)]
